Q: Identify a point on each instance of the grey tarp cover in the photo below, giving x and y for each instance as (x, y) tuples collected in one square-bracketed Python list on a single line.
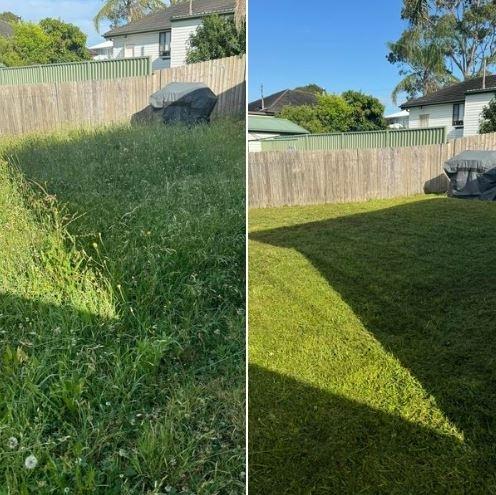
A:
[(184, 102), (472, 175)]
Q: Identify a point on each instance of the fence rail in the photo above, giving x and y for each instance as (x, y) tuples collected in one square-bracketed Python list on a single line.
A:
[(45, 107), (278, 178), (76, 71), (390, 138)]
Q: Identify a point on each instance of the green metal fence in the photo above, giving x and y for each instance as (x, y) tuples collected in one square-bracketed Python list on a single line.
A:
[(76, 71), (390, 138)]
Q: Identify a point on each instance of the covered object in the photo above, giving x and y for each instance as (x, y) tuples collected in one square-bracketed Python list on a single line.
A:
[(472, 175), (190, 103)]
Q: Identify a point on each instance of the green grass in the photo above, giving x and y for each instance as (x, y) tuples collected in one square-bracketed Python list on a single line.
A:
[(122, 311), (372, 348)]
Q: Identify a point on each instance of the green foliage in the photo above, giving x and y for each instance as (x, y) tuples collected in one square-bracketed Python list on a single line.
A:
[(368, 111), (422, 63), (311, 88), (9, 17), (67, 41), (50, 41), (488, 118), (303, 115), (29, 45), (216, 37), (445, 38), (352, 111), (122, 311), (123, 11)]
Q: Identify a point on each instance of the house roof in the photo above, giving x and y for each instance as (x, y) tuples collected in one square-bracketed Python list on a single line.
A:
[(454, 93), (265, 123), (104, 44), (162, 18), (275, 102), (6, 30), (397, 115)]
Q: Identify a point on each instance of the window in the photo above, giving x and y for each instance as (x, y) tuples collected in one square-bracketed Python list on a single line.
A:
[(165, 44), (129, 51), (458, 111), (424, 120)]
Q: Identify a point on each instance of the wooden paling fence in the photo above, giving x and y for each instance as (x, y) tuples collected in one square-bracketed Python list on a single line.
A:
[(278, 178), (45, 107)]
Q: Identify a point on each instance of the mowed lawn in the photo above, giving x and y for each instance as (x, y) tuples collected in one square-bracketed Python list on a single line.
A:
[(373, 348), (122, 311)]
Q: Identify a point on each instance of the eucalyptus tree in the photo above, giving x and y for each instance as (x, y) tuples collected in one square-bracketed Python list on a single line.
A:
[(444, 39)]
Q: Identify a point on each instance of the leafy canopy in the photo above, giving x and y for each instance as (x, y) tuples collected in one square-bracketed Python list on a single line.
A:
[(9, 17), (488, 118), (351, 111), (50, 41), (120, 12), (445, 40), (216, 37)]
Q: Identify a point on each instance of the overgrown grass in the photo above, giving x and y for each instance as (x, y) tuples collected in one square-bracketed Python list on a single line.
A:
[(122, 311), (372, 348)]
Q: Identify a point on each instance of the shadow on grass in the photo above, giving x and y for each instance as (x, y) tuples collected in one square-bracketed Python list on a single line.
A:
[(306, 440), (421, 279)]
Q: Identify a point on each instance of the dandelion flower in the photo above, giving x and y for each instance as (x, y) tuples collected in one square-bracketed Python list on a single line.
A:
[(31, 462), (13, 443)]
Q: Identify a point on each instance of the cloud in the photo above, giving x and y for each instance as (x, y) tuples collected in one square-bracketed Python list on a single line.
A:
[(78, 12)]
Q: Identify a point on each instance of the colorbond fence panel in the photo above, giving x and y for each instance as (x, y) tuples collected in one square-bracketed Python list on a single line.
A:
[(279, 178), (390, 138), (76, 71), (44, 107)]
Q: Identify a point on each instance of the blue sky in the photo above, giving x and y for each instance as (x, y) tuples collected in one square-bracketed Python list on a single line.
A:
[(79, 12), (337, 44)]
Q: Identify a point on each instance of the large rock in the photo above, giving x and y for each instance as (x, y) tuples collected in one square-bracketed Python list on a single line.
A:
[(189, 103)]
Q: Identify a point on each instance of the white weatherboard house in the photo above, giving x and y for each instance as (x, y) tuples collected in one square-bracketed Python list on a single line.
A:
[(164, 35), (397, 120), (457, 107), (102, 51)]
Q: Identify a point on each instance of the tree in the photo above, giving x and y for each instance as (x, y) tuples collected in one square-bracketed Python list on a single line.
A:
[(9, 17), (367, 111), (421, 61), (51, 41), (331, 114), (303, 115), (311, 88), (445, 38), (216, 37), (123, 11), (488, 118), (29, 45), (68, 42)]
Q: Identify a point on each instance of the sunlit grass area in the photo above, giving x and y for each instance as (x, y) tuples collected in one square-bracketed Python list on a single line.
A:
[(122, 311), (372, 349)]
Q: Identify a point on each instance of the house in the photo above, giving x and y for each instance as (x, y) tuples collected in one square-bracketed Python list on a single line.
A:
[(102, 51), (274, 103), (457, 107), (261, 126), (397, 120), (164, 35), (6, 30)]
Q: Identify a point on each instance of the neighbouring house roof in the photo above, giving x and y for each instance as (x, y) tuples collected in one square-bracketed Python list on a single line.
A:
[(162, 19), (104, 44), (265, 123), (275, 102), (454, 93), (398, 115), (6, 30)]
